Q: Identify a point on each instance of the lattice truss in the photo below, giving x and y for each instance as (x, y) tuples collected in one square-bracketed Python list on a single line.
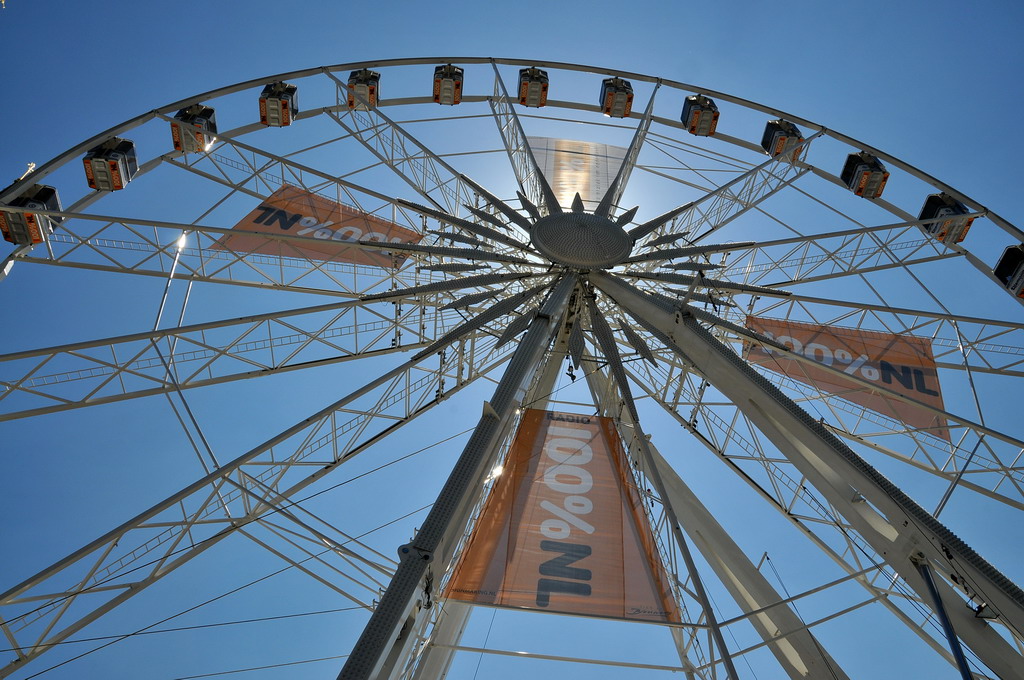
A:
[(722, 233)]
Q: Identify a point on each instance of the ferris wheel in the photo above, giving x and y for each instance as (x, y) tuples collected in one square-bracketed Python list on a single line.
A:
[(406, 261)]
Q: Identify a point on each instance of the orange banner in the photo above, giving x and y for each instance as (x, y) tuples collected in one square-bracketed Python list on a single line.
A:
[(899, 363), (564, 528), (297, 212)]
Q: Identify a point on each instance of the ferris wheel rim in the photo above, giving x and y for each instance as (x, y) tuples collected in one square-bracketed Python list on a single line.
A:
[(167, 109), (254, 83)]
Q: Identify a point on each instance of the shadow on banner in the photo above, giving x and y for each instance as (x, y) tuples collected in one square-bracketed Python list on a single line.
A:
[(296, 212), (564, 529), (903, 364)]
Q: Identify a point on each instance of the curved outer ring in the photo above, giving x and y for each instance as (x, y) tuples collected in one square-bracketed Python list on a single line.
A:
[(48, 167)]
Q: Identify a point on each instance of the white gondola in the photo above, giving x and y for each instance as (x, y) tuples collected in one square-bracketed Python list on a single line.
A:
[(194, 129), (782, 137), (864, 174), (363, 89), (700, 115), (279, 103), (1010, 270), (111, 165), (533, 87), (953, 225), (616, 97), (28, 228), (448, 85)]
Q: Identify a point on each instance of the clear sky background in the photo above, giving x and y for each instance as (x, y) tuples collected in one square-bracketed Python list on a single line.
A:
[(937, 84)]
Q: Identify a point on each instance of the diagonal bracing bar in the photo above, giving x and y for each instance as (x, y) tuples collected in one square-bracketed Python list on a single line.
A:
[(420, 167), (49, 607), (386, 639), (717, 208), (531, 180), (618, 387), (443, 629), (613, 195), (114, 369), (789, 495), (796, 649), (900, 531), (782, 630)]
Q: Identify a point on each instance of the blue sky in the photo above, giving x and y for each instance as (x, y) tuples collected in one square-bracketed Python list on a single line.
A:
[(936, 84), (903, 75)]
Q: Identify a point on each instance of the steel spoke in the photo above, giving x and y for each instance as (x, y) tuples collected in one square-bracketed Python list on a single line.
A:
[(147, 548)]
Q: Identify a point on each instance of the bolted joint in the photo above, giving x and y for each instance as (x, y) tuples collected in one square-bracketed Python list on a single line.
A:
[(410, 551), (682, 312)]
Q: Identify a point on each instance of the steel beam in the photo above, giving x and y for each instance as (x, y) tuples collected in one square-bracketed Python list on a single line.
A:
[(421, 168), (623, 411), (382, 644), (720, 206), (613, 195), (108, 370), (795, 648), (797, 651), (38, 613), (437, 650), (873, 578), (897, 528), (531, 180)]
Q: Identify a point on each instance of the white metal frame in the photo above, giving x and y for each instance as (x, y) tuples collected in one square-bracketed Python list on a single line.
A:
[(420, 311)]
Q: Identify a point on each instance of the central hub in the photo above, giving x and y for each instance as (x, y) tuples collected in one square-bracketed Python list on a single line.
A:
[(581, 240)]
